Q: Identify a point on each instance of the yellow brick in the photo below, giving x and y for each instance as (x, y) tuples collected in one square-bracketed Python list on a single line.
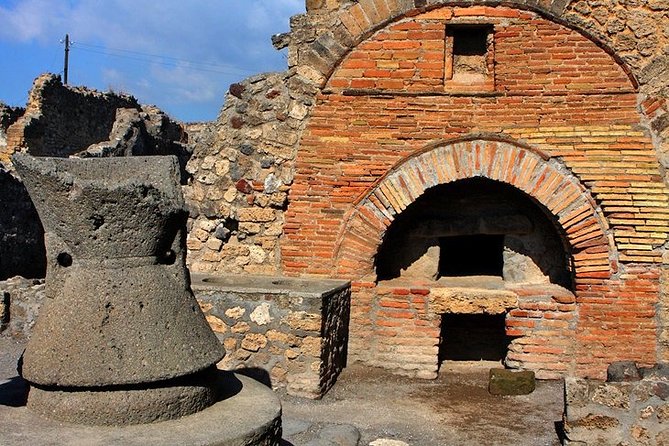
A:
[(598, 139), (636, 247), (334, 139)]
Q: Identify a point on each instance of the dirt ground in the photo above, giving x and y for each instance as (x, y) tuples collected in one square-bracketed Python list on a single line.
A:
[(455, 409)]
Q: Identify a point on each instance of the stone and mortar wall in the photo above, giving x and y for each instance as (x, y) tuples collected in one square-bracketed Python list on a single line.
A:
[(59, 120), (619, 284), (330, 30), (634, 412), (298, 339), (242, 169), (381, 104), (20, 300), (8, 116)]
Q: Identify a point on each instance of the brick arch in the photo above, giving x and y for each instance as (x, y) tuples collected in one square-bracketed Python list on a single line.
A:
[(358, 21), (546, 180)]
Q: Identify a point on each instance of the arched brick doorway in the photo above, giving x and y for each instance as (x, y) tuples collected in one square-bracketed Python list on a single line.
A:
[(399, 320)]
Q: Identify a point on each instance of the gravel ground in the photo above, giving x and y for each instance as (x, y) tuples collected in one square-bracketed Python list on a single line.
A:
[(372, 404)]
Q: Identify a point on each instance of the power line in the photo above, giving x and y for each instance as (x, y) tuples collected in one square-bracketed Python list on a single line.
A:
[(160, 59)]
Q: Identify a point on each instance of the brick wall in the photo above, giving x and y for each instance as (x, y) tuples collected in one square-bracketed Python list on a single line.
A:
[(561, 123)]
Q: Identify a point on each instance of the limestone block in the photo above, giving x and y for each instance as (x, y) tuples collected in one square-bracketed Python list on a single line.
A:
[(663, 413), (257, 254), (261, 314), (254, 342), (241, 327), (311, 346), (612, 395), (259, 215), (217, 324), (235, 312), (471, 301), (301, 320)]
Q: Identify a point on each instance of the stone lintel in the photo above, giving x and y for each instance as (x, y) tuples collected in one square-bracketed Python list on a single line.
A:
[(471, 301)]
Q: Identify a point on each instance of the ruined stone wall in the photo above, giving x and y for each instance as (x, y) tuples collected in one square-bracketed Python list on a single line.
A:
[(20, 301), (8, 116), (59, 120), (21, 238), (69, 121), (22, 250)]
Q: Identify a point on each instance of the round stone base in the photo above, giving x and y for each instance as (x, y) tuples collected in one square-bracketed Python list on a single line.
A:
[(161, 401), (248, 413)]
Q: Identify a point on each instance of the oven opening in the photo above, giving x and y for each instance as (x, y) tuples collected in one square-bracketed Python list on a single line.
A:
[(471, 255), (473, 337)]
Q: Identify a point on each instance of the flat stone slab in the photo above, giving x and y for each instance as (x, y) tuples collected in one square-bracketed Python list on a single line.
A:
[(311, 287), (249, 413), (471, 300)]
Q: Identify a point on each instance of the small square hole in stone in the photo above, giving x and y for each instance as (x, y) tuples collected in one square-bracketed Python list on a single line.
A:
[(471, 45)]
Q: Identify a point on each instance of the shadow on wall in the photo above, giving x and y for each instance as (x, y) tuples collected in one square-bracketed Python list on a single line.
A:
[(22, 251)]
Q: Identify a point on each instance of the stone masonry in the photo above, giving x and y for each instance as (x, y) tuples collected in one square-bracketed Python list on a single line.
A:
[(562, 123), (632, 409), (242, 169), (291, 333)]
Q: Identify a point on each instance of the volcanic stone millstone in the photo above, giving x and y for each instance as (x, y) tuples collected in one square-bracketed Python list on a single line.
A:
[(129, 404), (120, 321)]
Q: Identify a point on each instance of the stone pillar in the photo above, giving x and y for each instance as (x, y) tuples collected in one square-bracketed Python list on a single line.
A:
[(120, 338)]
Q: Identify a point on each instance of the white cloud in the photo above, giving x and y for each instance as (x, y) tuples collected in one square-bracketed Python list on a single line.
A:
[(232, 37), (26, 20)]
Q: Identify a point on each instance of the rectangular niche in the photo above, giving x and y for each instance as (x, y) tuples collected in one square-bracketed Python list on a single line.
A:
[(471, 255), (469, 58), (473, 337)]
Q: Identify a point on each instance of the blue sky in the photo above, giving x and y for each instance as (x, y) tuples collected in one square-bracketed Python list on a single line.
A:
[(179, 55)]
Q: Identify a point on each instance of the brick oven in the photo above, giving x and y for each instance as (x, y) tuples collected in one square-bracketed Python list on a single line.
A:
[(481, 175)]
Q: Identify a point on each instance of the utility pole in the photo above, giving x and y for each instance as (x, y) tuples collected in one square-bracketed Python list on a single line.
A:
[(67, 56)]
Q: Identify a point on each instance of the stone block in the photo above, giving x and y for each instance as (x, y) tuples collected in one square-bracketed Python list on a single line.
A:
[(622, 371), (471, 301), (613, 395), (511, 382), (294, 329)]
